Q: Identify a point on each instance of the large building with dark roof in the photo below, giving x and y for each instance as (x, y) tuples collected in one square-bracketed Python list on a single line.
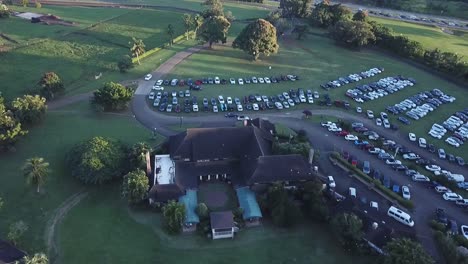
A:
[(241, 156)]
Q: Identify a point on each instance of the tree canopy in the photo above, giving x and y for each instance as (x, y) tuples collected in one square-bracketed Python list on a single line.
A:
[(135, 186), (137, 155), (29, 109), (4, 11), (112, 97), (314, 203), (174, 215), (348, 228), (259, 37), (37, 258), (51, 85), (214, 29), (325, 15), (97, 160), (125, 64), (296, 8), (202, 211), (170, 31), (10, 128), (352, 33), (36, 171), (283, 210), (137, 48), (215, 8), (361, 16), (189, 23), (405, 251)]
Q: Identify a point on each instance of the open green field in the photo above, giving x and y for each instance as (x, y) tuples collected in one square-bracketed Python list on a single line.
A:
[(52, 140), (429, 36), (79, 53), (102, 230), (317, 60)]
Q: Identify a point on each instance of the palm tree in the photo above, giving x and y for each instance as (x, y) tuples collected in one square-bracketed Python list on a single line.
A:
[(198, 19), (170, 32), (38, 258), (36, 170), (138, 48)]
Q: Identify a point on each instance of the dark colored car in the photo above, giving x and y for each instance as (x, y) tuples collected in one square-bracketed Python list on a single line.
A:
[(431, 148), (404, 120), (399, 167), (441, 216), (451, 157), (423, 162), (460, 161), (230, 114)]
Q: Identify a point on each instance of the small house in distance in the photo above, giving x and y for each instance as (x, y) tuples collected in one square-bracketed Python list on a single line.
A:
[(222, 224)]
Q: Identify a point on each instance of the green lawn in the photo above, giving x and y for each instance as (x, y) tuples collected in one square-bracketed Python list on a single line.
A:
[(52, 139), (79, 53), (102, 230), (429, 36), (317, 60)]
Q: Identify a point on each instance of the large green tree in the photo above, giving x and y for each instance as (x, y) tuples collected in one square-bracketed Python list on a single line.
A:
[(112, 97), (348, 228), (325, 15), (29, 109), (97, 160), (51, 85), (37, 258), (137, 155), (4, 11), (282, 209), (189, 23), (170, 31), (10, 128), (314, 202), (405, 251), (296, 8), (125, 64), (361, 16), (214, 29), (174, 215), (36, 170), (352, 33), (215, 8), (135, 186), (137, 49), (259, 37)]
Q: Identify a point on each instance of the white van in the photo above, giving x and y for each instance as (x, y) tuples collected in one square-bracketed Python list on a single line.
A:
[(400, 216), (422, 142), (420, 178), (352, 192), (456, 177)]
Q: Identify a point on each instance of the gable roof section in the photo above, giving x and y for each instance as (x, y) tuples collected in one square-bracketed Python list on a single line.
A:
[(165, 192), (9, 253), (220, 143), (280, 168), (224, 219)]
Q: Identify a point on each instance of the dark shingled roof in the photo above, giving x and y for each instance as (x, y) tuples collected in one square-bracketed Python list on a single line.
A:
[(165, 192), (188, 172), (263, 124), (224, 219), (220, 143), (9, 253), (280, 168)]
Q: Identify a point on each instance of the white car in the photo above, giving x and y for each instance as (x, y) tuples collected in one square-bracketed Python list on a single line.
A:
[(158, 82), (452, 142), (232, 81), (386, 124), (267, 80), (411, 156), (151, 95), (375, 151), (148, 77), (195, 108), (464, 231), (261, 80), (331, 182), (393, 162), (229, 100), (240, 81), (242, 118), (215, 108), (221, 99), (310, 100), (334, 129), (302, 99), (378, 122), (216, 80), (158, 88), (405, 192), (278, 105), (442, 189), (412, 137), (432, 168), (450, 196), (370, 114), (255, 107), (351, 137), (254, 80), (359, 109), (239, 108)]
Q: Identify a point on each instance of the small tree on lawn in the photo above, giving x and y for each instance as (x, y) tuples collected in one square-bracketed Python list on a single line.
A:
[(257, 38), (137, 49), (189, 22), (125, 64), (170, 31), (283, 211), (135, 186), (174, 215), (202, 211), (51, 85), (112, 97), (198, 22), (36, 171), (17, 231), (137, 155), (405, 251), (10, 128), (29, 109), (348, 227), (4, 11), (214, 30), (38, 258)]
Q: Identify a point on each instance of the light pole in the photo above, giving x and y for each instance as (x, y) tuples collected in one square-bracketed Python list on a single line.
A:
[(181, 118), (155, 132)]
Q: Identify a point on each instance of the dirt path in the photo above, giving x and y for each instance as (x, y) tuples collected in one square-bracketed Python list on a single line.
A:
[(59, 214)]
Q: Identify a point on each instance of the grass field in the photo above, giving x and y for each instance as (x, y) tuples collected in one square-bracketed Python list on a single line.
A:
[(317, 60), (102, 230), (430, 37), (79, 53), (51, 140)]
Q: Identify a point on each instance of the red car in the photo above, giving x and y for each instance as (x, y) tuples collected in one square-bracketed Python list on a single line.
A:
[(346, 155), (342, 133), (361, 129), (198, 82), (181, 83)]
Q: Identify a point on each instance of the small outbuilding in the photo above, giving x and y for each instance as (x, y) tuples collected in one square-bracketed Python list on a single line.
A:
[(222, 224)]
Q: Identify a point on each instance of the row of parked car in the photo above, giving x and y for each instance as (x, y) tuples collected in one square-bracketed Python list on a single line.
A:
[(217, 80), (354, 77), (457, 123), (381, 88), (173, 101), (422, 143)]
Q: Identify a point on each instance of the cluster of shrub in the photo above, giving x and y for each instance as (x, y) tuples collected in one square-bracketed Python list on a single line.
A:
[(357, 31)]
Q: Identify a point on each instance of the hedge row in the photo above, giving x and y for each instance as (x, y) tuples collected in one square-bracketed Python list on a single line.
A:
[(154, 50), (406, 203)]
